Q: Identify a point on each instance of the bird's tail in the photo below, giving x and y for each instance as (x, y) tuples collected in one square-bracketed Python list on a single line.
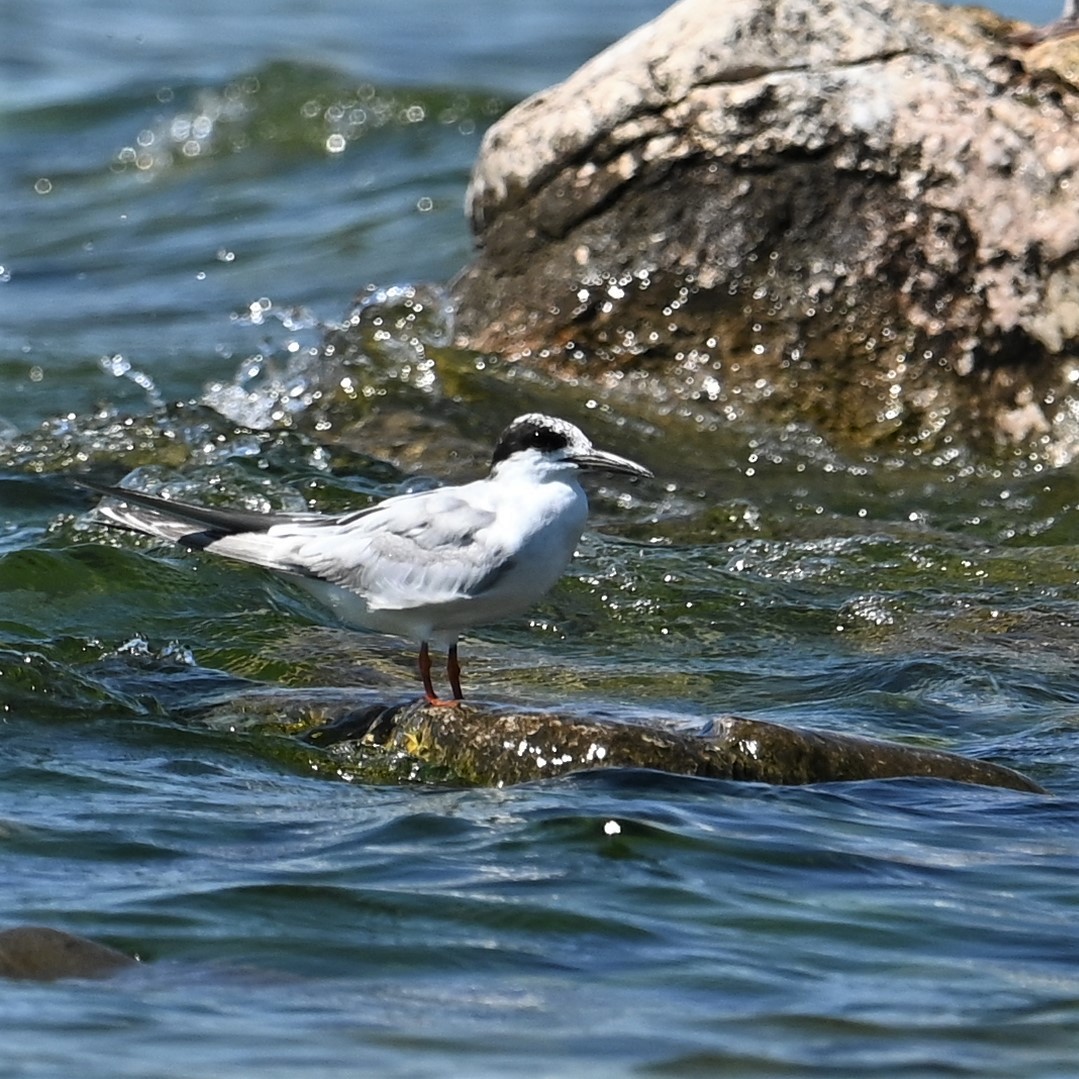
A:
[(234, 533)]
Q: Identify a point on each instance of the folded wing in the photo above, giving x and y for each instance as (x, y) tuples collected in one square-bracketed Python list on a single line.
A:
[(416, 550)]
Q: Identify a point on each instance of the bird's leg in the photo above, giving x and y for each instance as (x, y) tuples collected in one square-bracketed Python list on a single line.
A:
[(428, 686), (425, 673), (453, 669)]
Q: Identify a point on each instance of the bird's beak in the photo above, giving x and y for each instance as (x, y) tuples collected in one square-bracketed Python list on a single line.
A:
[(609, 462)]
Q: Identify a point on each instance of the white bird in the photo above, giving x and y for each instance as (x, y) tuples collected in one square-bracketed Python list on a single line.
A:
[(427, 565)]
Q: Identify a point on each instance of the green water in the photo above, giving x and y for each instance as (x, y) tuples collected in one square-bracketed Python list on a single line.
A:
[(194, 200)]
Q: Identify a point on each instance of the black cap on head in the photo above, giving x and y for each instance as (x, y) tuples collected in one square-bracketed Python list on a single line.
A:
[(532, 432)]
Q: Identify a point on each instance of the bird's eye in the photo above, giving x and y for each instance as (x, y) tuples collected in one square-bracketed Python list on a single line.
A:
[(546, 440)]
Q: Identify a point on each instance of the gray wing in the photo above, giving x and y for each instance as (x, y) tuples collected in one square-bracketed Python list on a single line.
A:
[(428, 548), (411, 551)]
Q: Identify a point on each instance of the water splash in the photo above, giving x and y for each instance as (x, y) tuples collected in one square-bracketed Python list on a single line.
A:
[(138, 647), (120, 367), (270, 388), (396, 324), (388, 338)]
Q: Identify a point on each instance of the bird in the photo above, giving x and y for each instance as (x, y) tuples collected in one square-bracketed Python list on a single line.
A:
[(426, 565)]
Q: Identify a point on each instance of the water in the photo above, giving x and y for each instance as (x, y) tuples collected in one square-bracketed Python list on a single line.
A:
[(192, 199)]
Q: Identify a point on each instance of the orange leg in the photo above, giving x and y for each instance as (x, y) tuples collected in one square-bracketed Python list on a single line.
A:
[(428, 685)]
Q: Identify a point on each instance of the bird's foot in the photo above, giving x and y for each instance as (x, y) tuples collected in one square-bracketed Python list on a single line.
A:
[(441, 702)]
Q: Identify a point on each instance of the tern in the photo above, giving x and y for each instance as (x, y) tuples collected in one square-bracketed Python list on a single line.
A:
[(427, 565)]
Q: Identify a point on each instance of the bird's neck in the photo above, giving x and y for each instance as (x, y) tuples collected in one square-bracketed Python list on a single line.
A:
[(528, 469)]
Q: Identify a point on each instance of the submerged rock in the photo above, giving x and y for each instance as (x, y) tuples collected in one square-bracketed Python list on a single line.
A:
[(347, 733), (856, 213), (38, 953)]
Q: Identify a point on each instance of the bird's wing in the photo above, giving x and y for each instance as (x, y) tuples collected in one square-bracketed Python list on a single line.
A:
[(427, 548), (417, 549)]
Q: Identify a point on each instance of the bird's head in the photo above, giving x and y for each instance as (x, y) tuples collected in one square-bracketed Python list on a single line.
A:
[(557, 443)]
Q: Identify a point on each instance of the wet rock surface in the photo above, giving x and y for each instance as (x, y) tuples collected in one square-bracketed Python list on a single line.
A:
[(357, 736), (39, 953), (856, 214)]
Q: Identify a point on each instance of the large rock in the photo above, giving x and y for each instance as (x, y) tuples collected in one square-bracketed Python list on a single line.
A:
[(858, 213)]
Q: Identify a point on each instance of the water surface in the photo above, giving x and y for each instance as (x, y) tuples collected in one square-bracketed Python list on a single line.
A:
[(193, 198)]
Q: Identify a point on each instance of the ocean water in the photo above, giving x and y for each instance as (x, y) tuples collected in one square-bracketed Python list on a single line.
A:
[(192, 199)]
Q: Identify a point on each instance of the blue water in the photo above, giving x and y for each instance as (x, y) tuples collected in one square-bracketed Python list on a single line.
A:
[(191, 196)]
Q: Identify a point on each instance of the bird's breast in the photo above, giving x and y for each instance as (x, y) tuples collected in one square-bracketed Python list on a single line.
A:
[(539, 536)]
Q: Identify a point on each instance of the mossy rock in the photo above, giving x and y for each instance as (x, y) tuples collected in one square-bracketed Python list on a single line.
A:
[(355, 735)]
